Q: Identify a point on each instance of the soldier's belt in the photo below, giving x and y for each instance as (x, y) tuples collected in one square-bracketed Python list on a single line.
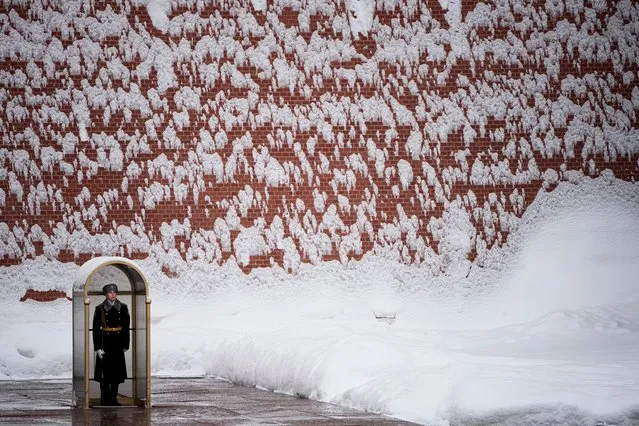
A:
[(111, 328)]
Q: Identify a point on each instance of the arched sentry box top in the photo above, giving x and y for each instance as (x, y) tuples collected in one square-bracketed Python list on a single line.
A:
[(84, 277)]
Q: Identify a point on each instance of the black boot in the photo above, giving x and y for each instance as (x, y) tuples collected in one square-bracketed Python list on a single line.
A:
[(114, 394), (104, 393)]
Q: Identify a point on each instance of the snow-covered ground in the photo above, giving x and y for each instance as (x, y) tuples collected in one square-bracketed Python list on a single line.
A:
[(547, 331)]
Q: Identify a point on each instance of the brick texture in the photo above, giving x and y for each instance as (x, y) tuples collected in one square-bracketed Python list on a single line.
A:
[(44, 296), (509, 101)]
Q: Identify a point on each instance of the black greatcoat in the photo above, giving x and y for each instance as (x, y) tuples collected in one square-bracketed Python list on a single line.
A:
[(112, 367)]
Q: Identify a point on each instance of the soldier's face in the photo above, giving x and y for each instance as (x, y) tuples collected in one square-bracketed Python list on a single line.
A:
[(112, 295)]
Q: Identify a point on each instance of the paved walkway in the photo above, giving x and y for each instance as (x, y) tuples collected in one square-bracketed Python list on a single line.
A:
[(177, 401)]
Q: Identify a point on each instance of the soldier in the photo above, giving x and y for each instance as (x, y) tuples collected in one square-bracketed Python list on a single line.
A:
[(110, 341)]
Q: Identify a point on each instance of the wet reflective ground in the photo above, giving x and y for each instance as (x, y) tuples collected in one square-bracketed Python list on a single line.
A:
[(177, 401)]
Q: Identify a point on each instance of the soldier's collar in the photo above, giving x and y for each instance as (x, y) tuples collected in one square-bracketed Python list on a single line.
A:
[(108, 305)]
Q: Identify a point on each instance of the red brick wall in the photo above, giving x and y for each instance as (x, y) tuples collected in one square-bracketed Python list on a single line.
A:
[(608, 96), (44, 296)]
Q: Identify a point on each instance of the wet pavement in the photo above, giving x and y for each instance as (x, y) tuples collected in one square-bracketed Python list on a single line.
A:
[(177, 401)]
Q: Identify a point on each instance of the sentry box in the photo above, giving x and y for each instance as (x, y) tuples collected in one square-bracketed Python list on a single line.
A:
[(133, 290)]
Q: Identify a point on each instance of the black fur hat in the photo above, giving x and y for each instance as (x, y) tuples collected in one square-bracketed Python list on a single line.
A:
[(109, 287)]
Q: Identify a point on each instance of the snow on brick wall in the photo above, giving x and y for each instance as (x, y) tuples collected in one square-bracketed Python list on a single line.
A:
[(281, 132)]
